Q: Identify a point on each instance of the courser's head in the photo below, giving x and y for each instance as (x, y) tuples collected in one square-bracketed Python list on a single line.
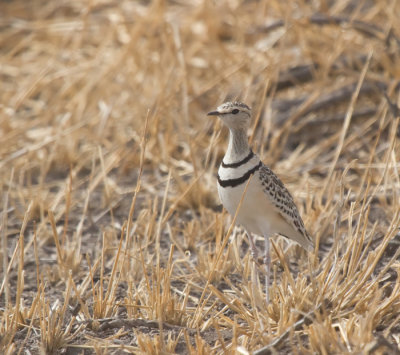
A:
[(235, 115)]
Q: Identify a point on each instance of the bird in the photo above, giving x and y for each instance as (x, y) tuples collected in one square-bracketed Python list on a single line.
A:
[(266, 206)]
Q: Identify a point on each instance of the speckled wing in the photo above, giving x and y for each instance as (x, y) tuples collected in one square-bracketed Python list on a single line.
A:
[(283, 202)]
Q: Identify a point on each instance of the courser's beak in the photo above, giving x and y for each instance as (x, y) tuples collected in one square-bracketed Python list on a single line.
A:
[(213, 113)]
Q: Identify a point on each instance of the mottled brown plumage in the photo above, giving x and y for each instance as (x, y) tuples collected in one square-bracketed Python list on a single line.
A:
[(284, 203)]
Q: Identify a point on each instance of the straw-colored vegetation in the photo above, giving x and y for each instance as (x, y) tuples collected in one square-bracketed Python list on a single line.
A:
[(112, 236)]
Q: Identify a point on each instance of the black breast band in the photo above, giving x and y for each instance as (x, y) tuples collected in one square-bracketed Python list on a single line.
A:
[(237, 164), (239, 181)]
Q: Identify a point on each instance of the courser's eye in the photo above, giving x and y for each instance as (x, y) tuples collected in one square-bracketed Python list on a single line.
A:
[(235, 111)]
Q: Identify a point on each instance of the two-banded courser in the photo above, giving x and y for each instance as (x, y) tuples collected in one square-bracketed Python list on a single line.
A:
[(267, 207)]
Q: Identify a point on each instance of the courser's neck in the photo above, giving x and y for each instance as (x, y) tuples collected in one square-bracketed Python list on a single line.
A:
[(238, 146)]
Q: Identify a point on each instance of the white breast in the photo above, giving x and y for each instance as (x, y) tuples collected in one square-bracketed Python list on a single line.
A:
[(254, 205)]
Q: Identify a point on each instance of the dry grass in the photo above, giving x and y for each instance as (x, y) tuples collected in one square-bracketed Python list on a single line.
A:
[(112, 236)]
